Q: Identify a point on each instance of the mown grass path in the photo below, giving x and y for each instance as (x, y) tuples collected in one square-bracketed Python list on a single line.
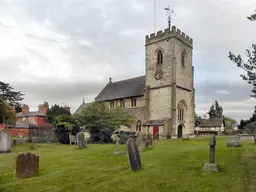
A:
[(171, 165)]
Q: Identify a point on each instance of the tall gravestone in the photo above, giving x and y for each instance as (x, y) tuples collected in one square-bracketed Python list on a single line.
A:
[(5, 141), (133, 155), (116, 138), (27, 165), (139, 141), (211, 166), (80, 140)]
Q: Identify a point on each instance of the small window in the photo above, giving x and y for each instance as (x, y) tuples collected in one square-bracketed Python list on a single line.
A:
[(159, 57), (122, 105), (183, 58), (112, 104), (138, 126), (133, 101)]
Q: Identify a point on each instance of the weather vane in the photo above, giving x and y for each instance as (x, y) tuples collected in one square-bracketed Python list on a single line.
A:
[(169, 11)]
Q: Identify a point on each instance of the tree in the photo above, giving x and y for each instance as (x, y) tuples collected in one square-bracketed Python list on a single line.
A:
[(102, 121), (54, 112), (229, 122), (65, 125), (248, 65), (7, 116), (216, 110), (252, 127), (11, 97)]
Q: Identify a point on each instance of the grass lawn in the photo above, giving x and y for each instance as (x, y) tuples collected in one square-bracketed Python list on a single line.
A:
[(171, 165)]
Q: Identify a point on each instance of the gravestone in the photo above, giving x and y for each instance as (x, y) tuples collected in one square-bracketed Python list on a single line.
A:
[(34, 141), (233, 142), (150, 138), (5, 141), (139, 140), (211, 166), (185, 137), (116, 138), (80, 140), (27, 165), (133, 155)]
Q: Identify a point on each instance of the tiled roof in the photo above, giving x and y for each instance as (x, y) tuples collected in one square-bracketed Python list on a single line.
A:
[(123, 89), (24, 124), (132, 110), (81, 107), (159, 122), (213, 122), (30, 114)]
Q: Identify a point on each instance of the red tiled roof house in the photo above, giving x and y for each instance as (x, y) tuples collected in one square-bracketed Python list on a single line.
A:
[(27, 120)]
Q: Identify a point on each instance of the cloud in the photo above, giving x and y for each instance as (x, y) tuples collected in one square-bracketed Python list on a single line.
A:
[(63, 51)]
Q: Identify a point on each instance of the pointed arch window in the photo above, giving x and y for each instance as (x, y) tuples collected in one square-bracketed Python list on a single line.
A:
[(138, 125), (182, 107), (183, 57), (159, 57)]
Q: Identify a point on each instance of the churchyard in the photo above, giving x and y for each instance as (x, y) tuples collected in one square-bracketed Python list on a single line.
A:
[(167, 165)]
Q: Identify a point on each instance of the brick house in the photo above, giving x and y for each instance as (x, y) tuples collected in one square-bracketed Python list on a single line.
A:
[(27, 120)]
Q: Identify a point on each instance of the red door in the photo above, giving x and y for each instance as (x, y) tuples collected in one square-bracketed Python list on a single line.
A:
[(155, 130)]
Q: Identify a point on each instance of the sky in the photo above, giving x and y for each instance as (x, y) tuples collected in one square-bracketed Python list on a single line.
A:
[(64, 51)]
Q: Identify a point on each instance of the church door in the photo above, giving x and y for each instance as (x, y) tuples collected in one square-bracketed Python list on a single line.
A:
[(180, 131), (155, 130)]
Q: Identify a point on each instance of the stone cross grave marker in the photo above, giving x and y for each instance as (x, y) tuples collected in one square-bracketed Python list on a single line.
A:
[(80, 140), (133, 155), (27, 165), (5, 141), (211, 166), (116, 138)]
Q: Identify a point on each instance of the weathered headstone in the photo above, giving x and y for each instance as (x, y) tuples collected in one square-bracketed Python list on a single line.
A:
[(116, 138), (27, 165), (150, 138), (233, 142), (211, 166), (133, 155), (139, 140), (34, 141), (80, 140), (5, 141)]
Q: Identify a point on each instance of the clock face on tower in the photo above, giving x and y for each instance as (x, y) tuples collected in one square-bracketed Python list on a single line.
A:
[(159, 74)]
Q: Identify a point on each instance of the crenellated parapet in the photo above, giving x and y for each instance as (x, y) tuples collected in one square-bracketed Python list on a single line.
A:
[(167, 33)]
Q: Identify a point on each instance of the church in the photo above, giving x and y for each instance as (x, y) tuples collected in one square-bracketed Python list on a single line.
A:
[(163, 100)]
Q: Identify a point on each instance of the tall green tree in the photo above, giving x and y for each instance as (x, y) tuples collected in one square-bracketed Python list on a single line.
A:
[(65, 125), (11, 97), (215, 110), (229, 122), (7, 116), (249, 64), (102, 121), (54, 112)]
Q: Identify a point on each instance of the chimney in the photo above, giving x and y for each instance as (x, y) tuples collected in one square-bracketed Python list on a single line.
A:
[(43, 108), (25, 109)]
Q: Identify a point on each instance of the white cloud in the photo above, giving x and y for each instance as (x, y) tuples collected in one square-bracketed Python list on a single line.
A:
[(224, 92)]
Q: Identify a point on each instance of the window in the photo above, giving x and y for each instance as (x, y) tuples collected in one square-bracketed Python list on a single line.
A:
[(159, 57), (133, 100), (138, 125), (112, 104), (182, 106), (122, 103), (183, 57)]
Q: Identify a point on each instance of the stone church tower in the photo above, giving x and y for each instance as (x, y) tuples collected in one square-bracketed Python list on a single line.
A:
[(170, 81)]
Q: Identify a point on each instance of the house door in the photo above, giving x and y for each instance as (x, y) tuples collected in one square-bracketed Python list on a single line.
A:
[(155, 130), (180, 131)]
